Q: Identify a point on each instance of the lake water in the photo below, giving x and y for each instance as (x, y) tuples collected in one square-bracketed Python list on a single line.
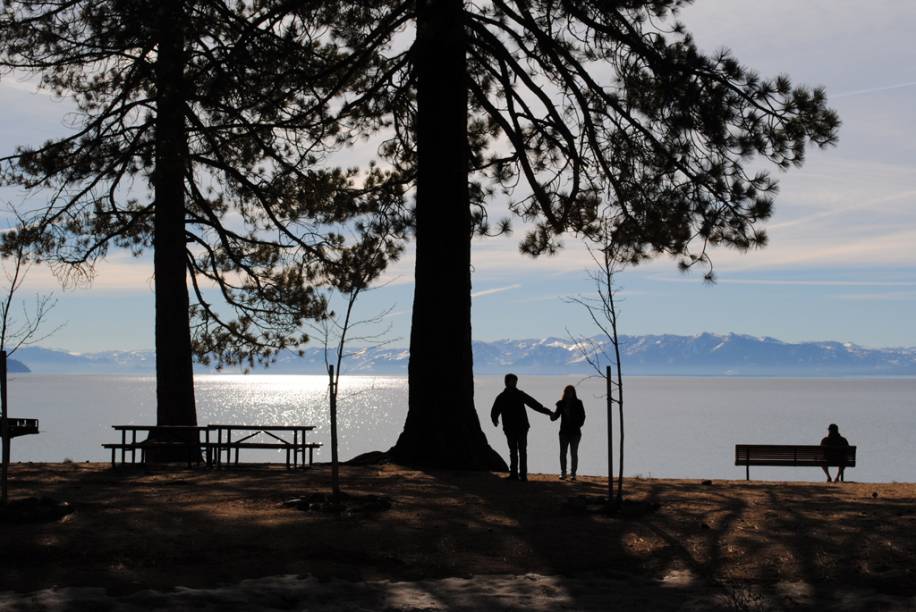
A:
[(675, 427)]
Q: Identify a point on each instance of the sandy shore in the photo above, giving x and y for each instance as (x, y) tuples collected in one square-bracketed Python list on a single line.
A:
[(214, 539)]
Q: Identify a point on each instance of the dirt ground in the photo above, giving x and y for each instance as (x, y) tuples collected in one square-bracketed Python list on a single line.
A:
[(456, 540)]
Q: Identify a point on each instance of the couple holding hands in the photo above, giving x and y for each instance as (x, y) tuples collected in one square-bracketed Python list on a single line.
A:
[(510, 405)]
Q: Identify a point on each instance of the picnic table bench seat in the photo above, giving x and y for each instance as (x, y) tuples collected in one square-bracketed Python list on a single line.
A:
[(193, 450), (793, 455), (309, 448)]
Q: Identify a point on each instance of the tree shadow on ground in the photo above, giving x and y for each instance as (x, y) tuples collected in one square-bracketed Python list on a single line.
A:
[(158, 528), (797, 544)]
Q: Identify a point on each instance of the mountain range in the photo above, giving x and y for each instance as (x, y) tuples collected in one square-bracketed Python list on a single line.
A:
[(705, 354)]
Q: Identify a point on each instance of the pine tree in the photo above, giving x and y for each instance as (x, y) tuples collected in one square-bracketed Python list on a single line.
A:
[(568, 107), (197, 131)]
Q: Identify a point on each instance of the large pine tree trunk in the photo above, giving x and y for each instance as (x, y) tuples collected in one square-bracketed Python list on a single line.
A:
[(442, 428), (174, 373)]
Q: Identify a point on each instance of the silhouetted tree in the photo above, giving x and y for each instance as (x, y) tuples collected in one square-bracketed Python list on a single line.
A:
[(349, 280), (603, 355), (17, 331), (198, 125), (565, 106)]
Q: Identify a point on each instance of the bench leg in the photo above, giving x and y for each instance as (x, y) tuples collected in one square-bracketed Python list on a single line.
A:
[(113, 466), (748, 474), (311, 455)]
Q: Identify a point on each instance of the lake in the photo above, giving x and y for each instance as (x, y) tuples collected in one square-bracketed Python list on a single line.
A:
[(675, 427)]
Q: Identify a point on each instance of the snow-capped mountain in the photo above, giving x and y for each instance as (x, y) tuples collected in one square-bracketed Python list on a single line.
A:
[(702, 355)]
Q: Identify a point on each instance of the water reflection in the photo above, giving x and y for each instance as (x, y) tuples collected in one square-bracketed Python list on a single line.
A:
[(676, 427)]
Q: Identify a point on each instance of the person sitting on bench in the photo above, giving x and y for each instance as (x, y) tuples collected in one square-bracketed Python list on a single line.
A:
[(835, 453)]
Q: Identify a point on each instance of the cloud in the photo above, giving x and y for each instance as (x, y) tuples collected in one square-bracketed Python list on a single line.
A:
[(790, 282), (23, 82), (494, 291), (118, 272), (905, 196), (859, 92), (888, 296)]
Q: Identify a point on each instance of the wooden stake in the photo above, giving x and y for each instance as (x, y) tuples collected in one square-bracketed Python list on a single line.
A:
[(335, 474), (610, 435)]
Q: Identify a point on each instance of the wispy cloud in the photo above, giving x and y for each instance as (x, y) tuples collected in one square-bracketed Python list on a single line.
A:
[(118, 272), (23, 82), (790, 282), (889, 296), (861, 92), (495, 290), (905, 196)]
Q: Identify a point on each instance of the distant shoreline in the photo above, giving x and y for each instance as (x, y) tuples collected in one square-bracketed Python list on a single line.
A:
[(703, 355)]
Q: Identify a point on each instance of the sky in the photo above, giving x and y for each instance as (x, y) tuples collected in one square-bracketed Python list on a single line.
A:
[(840, 265)]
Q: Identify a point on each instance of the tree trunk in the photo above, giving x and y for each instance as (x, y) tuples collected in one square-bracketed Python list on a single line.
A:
[(174, 373), (4, 431), (442, 428)]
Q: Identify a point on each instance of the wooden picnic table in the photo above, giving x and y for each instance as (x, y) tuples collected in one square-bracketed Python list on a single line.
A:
[(171, 435), (217, 438), (298, 445)]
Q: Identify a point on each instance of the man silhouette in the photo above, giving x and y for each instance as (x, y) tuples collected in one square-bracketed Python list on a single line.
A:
[(835, 452), (510, 404)]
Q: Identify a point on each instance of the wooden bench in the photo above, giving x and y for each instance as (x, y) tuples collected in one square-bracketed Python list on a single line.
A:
[(192, 450), (790, 455)]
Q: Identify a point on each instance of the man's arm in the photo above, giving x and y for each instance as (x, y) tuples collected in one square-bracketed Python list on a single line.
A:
[(494, 412), (534, 404)]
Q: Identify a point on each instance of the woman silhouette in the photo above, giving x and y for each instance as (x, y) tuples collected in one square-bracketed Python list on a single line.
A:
[(571, 413)]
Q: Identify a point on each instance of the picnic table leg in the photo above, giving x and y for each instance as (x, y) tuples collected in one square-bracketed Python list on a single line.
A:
[(302, 447), (747, 466), (311, 456), (133, 446), (123, 443), (113, 458), (287, 458), (295, 449)]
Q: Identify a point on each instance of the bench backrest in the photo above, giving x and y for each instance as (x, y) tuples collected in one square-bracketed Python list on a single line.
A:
[(786, 454)]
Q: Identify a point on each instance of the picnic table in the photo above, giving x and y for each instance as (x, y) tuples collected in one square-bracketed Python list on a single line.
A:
[(211, 441), (186, 437), (295, 447)]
